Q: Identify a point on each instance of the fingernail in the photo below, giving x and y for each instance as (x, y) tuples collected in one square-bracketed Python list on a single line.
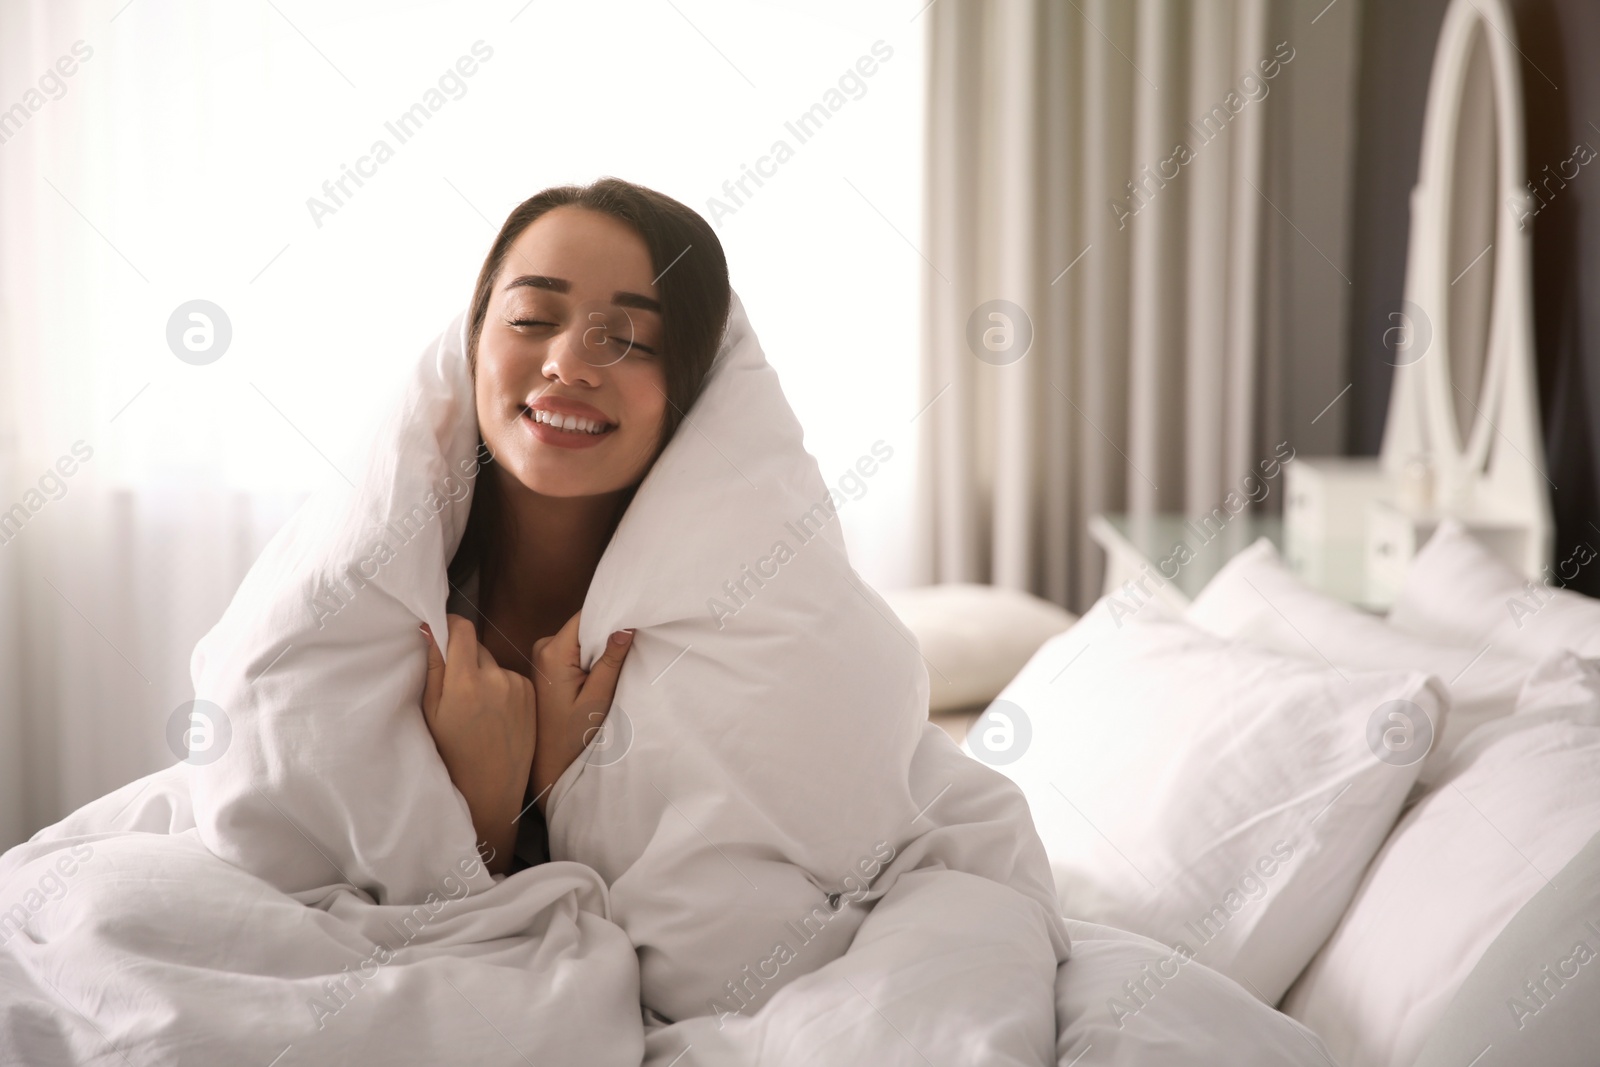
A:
[(622, 637)]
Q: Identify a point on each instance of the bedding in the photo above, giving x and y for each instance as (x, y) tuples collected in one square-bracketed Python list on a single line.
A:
[(975, 638), (1516, 803), (768, 854), (1130, 1000), (1256, 598), (1218, 797), (1545, 958), (156, 951), (1457, 590)]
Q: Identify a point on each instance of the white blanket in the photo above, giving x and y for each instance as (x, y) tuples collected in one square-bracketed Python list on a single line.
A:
[(140, 947), (772, 856)]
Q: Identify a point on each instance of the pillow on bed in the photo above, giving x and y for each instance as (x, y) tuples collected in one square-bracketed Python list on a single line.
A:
[(1457, 590), (1551, 942), (974, 637), (1218, 797), (1518, 801), (1256, 598), (1133, 1000)]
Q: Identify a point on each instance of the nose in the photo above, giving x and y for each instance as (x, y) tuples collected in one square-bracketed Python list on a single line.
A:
[(566, 359)]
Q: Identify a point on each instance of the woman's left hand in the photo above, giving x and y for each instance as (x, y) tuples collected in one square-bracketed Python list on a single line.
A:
[(572, 703)]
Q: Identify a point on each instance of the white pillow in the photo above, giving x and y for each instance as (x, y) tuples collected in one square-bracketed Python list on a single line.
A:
[(1550, 1029), (974, 637), (1134, 1000), (1457, 590), (1215, 796), (1517, 802), (1256, 598)]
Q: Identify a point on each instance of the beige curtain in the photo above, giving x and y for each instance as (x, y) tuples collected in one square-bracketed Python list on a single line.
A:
[(1056, 183)]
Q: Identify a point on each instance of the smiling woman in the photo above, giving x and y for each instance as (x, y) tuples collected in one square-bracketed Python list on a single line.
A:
[(593, 325)]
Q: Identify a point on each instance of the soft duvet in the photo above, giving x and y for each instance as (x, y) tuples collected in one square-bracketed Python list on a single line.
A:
[(767, 856)]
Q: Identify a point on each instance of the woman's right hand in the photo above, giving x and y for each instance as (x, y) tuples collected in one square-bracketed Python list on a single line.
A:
[(484, 721), (573, 702)]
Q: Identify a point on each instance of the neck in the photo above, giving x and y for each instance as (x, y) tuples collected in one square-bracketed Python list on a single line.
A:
[(559, 541)]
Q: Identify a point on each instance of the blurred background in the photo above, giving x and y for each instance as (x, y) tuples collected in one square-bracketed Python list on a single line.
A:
[(1064, 256)]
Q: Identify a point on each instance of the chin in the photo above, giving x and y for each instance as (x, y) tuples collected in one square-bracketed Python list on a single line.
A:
[(547, 479), (566, 484)]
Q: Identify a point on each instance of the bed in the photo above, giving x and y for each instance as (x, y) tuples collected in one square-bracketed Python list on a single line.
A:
[(1384, 826)]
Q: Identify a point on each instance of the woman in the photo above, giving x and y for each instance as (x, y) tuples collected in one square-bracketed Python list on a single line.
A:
[(593, 326)]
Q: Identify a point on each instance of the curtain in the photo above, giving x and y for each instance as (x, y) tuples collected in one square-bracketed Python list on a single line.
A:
[(1102, 168), (127, 517)]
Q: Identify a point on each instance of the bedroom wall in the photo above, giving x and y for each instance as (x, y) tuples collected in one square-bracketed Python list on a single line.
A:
[(1561, 92)]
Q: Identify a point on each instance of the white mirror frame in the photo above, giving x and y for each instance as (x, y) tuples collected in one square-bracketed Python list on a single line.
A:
[(1497, 474)]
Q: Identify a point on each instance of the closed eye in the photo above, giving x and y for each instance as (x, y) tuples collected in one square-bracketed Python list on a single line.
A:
[(542, 322)]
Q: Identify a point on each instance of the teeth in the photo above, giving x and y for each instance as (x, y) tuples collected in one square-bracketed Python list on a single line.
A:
[(570, 423)]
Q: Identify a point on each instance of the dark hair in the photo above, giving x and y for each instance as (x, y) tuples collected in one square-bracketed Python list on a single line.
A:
[(692, 284)]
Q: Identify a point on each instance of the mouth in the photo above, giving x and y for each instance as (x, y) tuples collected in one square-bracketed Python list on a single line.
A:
[(570, 423), (565, 431)]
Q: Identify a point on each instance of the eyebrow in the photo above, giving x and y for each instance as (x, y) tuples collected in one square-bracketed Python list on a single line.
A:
[(621, 297)]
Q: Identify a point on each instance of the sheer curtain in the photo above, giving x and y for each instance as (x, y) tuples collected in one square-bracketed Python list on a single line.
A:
[(155, 154), (1109, 182)]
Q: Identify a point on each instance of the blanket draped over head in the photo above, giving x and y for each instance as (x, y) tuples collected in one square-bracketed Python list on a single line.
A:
[(768, 854)]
